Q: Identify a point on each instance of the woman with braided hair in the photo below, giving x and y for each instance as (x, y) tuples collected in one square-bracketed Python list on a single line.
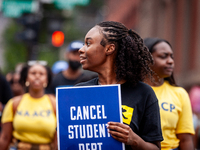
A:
[(119, 56)]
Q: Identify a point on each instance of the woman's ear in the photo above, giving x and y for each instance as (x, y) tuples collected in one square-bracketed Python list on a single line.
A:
[(110, 49)]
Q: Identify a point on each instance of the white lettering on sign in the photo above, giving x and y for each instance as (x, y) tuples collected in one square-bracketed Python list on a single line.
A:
[(90, 146), (88, 131), (87, 112)]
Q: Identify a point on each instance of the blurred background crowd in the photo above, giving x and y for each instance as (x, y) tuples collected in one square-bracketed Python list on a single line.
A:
[(45, 29)]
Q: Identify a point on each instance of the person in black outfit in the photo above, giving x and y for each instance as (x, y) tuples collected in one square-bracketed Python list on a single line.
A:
[(119, 56), (73, 74), (5, 93)]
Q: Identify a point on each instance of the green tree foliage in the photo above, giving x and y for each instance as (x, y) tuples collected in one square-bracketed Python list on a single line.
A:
[(15, 51)]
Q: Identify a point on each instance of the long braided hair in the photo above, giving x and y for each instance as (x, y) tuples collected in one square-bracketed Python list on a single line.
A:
[(133, 59)]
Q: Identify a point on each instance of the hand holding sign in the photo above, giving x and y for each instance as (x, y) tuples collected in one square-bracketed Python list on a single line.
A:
[(121, 132)]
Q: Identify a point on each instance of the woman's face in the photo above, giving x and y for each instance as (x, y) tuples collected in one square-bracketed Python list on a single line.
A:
[(92, 54), (163, 60), (37, 77)]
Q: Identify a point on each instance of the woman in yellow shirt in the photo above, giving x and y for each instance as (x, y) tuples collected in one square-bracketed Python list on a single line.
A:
[(174, 102), (30, 119)]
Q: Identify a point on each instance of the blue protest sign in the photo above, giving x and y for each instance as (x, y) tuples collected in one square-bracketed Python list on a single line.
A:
[(82, 115)]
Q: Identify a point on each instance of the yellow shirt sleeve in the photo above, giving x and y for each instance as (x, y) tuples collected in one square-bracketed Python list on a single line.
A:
[(185, 123), (7, 115)]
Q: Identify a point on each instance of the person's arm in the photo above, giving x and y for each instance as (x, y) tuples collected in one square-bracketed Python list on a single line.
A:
[(6, 135), (7, 125), (53, 102), (1, 107), (185, 127), (196, 137), (186, 141), (55, 143), (124, 133)]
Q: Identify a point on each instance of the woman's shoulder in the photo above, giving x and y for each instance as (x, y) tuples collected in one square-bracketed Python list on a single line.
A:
[(177, 89), (146, 92), (140, 83), (140, 89), (144, 87), (17, 98), (58, 76), (88, 83)]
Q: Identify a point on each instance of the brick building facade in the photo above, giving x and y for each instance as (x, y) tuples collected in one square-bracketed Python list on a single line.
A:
[(177, 21)]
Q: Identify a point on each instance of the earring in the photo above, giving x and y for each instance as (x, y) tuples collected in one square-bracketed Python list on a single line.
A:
[(27, 83), (44, 85)]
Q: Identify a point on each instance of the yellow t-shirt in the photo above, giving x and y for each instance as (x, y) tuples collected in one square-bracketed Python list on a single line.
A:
[(34, 121), (175, 112)]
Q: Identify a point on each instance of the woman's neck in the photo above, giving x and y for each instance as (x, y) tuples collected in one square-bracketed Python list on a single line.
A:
[(109, 77), (155, 81), (36, 93), (106, 72)]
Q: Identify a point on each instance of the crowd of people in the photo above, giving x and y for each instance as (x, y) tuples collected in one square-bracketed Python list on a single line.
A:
[(162, 116)]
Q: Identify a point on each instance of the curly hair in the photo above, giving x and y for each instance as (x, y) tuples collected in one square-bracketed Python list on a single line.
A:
[(24, 74), (133, 59)]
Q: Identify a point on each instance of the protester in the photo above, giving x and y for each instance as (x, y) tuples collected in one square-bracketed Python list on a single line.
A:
[(9, 75), (175, 107), (73, 73), (30, 119), (119, 56), (16, 87), (13, 78), (5, 94)]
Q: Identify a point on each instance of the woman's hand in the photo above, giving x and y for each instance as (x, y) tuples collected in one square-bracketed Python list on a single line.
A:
[(124, 133)]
